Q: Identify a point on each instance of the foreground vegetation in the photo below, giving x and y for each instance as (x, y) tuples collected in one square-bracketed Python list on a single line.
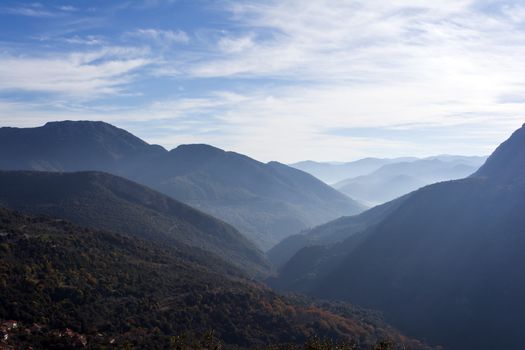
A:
[(15, 335)]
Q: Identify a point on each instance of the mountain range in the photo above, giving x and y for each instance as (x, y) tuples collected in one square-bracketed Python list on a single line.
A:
[(333, 172), (443, 263), (399, 178), (265, 201)]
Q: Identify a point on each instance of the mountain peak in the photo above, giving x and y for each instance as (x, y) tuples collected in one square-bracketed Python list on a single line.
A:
[(80, 125), (70, 123), (73, 145), (87, 128), (507, 163), (198, 147), (196, 153)]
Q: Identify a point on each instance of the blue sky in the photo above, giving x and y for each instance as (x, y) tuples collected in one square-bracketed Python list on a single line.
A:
[(280, 80)]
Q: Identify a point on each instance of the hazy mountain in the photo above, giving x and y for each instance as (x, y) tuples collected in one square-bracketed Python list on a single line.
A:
[(377, 180), (333, 172), (120, 292), (446, 264), (267, 202), (105, 201), (396, 179)]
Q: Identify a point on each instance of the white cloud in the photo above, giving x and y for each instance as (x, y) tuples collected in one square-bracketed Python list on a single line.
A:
[(90, 40), (165, 37), (31, 10), (36, 9), (68, 8), (235, 45), (515, 12), (83, 75)]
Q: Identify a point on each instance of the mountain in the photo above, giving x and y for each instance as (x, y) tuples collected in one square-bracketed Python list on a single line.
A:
[(446, 264), (267, 202), (396, 179), (332, 173), (74, 287), (108, 202)]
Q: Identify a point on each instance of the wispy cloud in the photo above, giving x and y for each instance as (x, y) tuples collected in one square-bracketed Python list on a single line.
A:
[(165, 37), (355, 40), (37, 9), (68, 8), (90, 40), (31, 10), (236, 44), (83, 75)]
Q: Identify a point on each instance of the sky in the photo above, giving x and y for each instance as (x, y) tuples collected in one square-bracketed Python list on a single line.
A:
[(285, 80)]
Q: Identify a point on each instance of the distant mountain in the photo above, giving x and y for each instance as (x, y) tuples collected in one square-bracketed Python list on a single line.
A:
[(332, 173), (79, 288), (446, 264), (396, 179), (374, 181), (267, 202), (108, 202)]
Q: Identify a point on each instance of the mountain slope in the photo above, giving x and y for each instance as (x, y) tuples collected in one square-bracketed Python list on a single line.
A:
[(109, 202), (446, 265), (270, 201), (396, 179), (331, 233), (120, 292), (267, 202), (507, 163)]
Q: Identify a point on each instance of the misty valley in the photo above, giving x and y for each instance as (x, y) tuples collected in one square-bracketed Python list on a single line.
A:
[(262, 175)]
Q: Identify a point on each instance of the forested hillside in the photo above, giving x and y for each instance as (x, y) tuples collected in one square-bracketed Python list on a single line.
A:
[(105, 286)]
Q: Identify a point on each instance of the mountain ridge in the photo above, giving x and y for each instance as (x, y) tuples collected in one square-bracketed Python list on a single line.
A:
[(264, 201), (333, 172), (395, 179)]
